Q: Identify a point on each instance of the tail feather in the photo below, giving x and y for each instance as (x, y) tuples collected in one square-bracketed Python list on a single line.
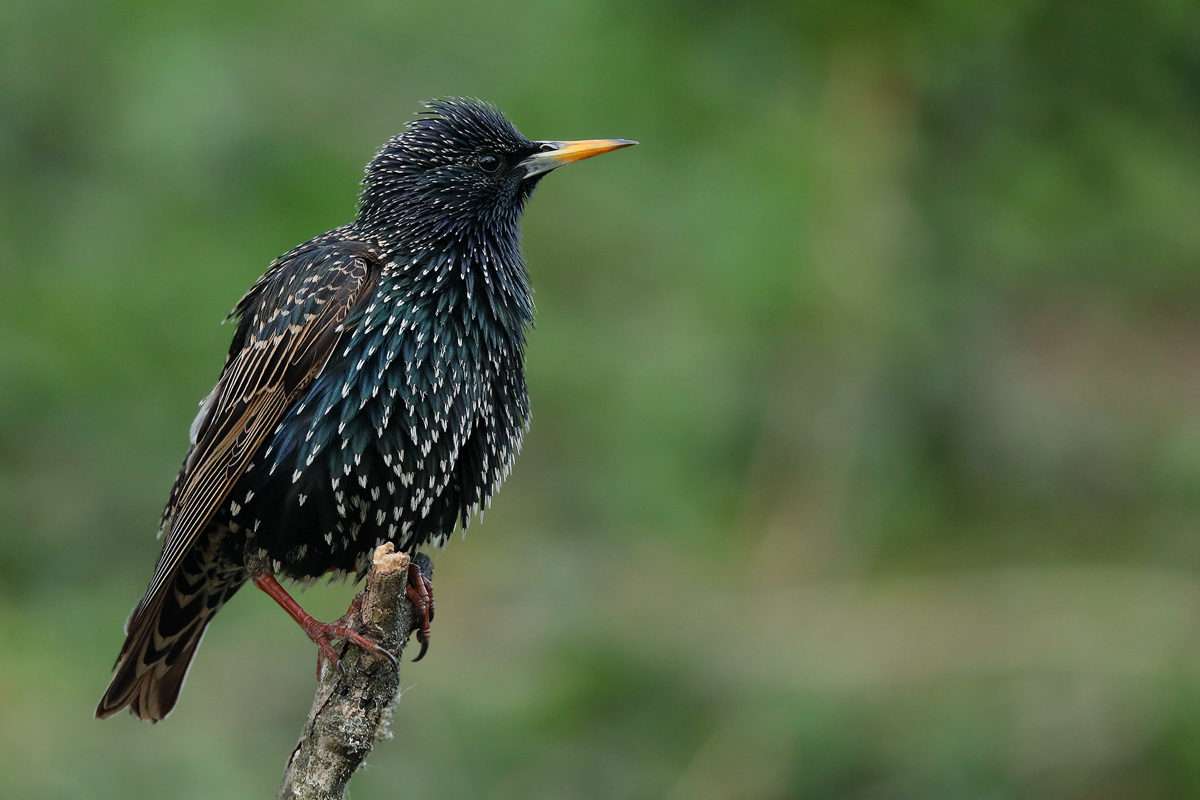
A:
[(162, 635), (150, 688)]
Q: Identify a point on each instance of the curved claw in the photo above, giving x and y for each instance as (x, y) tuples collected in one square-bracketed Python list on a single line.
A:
[(388, 655), (420, 594)]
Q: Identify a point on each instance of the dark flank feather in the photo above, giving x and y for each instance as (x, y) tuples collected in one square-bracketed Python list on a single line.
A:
[(374, 391)]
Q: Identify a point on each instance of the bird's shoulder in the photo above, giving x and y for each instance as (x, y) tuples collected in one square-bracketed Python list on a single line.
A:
[(305, 277)]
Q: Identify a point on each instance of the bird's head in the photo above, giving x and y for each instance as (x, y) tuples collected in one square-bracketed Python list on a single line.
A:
[(459, 175)]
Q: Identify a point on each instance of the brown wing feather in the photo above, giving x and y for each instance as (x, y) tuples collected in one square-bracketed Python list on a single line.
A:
[(285, 347)]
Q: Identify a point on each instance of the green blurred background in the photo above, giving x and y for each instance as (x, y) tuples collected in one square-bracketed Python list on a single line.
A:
[(865, 459)]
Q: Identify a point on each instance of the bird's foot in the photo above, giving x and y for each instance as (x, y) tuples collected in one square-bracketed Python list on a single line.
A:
[(324, 634), (420, 594)]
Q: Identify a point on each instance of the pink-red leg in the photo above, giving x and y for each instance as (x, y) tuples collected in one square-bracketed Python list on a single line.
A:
[(323, 633), (420, 594)]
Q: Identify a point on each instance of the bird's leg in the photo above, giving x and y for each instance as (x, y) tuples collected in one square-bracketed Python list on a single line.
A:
[(322, 633), (420, 594)]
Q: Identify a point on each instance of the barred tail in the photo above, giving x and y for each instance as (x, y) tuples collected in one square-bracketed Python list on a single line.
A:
[(162, 635)]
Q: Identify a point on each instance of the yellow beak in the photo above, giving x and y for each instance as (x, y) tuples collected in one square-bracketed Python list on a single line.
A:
[(556, 154)]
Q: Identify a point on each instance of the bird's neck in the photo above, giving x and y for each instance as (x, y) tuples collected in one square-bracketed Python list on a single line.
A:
[(474, 283)]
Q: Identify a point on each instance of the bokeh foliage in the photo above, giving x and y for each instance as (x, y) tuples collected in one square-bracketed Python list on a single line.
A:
[(866, 448)]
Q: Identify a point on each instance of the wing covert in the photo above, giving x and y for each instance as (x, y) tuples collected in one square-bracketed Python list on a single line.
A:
[(289, 323)]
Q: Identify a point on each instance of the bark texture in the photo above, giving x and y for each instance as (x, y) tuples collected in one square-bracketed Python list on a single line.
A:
[(351, 712)]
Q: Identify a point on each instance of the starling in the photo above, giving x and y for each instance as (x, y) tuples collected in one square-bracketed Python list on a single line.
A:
[(374, 392)]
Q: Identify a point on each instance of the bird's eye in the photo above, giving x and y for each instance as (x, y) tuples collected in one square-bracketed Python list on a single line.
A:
[(489, 164)]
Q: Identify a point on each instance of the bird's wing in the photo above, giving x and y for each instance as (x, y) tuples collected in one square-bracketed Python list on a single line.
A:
[(290, 323)]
